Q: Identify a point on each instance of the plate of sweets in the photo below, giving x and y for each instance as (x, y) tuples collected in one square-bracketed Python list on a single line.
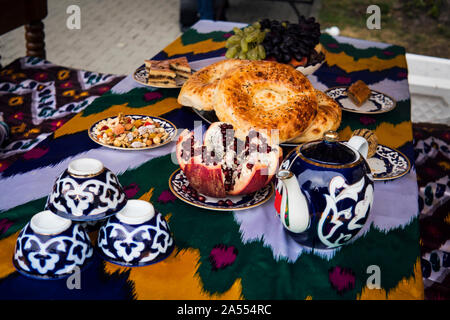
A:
[(385, 163), (359, 98), (171, 73), (133, 132)]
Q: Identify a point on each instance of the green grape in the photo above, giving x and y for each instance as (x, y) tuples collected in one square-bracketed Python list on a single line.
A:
[(252, 36), (232, 52), (261, 52), (249, 29), (244, 45), (235, 39), (256, 25), (238, 31), (260, 37), (253, 54)]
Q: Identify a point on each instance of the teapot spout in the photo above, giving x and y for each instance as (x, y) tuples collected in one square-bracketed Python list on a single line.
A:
[(294, 210)]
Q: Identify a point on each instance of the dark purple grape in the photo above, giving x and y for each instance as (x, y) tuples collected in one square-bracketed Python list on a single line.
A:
[(293, 39), (275, 23), (286, 58), (279, 57), (304, 51), (284, 48), (298, 56), (265, 23), (276, 51), (276, 40), (295, 47), (268, 44), (288, 40)]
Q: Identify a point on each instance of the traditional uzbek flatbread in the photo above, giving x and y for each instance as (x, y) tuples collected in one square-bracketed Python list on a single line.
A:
[(328, 117), (200, 89), (266, 95)]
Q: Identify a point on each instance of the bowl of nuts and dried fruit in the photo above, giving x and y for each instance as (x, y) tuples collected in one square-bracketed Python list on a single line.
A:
[(132, 132)]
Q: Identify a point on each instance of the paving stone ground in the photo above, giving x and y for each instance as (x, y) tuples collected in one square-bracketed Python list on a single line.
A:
[(117, 35)]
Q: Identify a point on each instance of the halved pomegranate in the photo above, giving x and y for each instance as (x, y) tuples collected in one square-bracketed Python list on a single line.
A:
[(223, 165)]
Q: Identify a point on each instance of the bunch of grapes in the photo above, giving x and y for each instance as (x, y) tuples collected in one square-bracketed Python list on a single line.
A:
[(285, 41), (246, 43)]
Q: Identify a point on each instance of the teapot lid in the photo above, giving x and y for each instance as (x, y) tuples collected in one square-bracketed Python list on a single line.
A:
[(329, 152)]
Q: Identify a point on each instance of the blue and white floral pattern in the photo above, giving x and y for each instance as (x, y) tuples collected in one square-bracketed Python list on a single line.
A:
[(135, 245), (240, 202), (377, 103), (52, 257), (85, 199), (388, 163), (339, 222)]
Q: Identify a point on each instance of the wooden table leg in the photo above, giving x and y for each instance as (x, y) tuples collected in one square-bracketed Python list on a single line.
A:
[(34, 36)]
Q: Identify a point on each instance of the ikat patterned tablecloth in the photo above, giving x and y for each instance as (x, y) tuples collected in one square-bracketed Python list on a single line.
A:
[(228, 255)]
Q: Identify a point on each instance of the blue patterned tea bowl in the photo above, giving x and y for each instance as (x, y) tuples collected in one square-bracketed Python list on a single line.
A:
[(136, 236), (51, 247), (86, 191)]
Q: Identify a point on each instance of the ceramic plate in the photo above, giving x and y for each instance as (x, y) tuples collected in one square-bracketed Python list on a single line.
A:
[(388, 163), (140, 75), (166, 124), (377, 103), (308, 70), (178, 184)]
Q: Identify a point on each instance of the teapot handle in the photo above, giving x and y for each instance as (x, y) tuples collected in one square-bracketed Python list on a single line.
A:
[(360, 144)]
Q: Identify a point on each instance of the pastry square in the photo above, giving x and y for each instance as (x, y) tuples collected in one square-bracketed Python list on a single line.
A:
[(162, 80), (359, 92), (159, 68), (180, 64)]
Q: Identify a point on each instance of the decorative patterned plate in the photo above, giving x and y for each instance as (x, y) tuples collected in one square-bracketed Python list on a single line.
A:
[(177, 180), (388, 163), (140, 76), (166, 124), (377, 103)]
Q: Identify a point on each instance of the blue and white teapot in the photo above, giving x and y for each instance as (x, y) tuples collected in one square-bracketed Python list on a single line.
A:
[(325, 191)]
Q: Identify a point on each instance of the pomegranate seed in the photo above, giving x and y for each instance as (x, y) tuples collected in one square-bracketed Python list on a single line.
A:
[(201, 198), (221, 203), (229, 202)]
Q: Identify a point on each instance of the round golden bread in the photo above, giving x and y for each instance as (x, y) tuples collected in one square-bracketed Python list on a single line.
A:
[(200, 89), (329, 116), (266, 95)]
